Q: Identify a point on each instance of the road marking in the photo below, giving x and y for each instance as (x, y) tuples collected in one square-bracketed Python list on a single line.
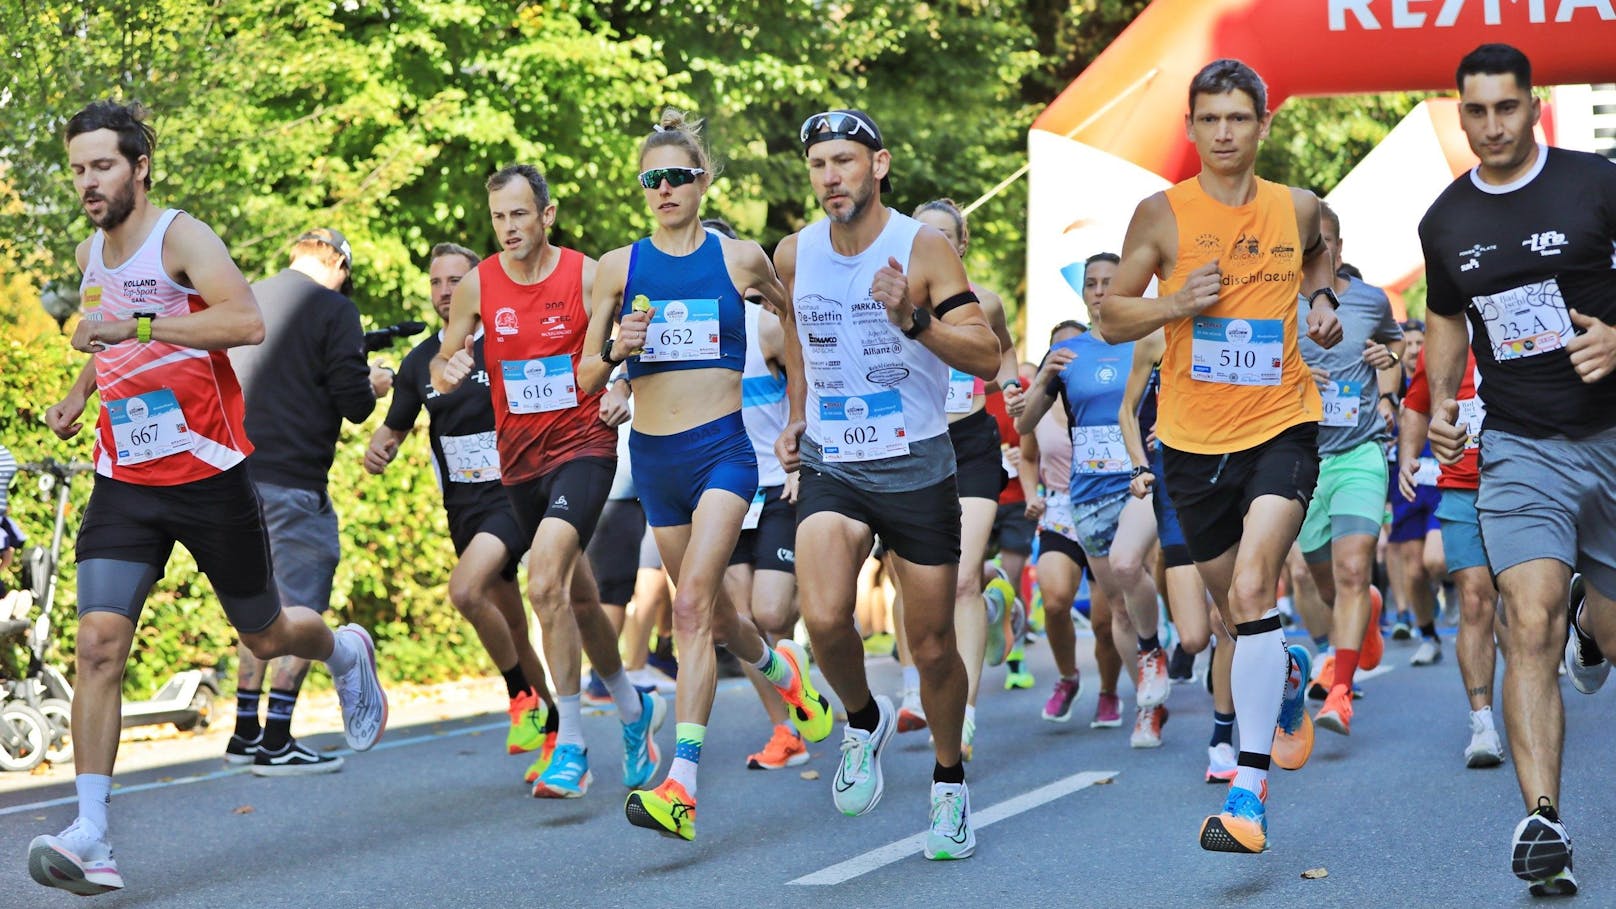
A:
[(1363, 675), (902, 849), (237, 771)]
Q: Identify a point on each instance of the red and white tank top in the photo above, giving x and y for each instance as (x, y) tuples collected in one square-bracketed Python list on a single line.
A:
[(169, 414), (533, 340)]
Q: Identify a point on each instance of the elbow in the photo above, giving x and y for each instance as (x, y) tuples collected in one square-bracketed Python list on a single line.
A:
[(251, 332)]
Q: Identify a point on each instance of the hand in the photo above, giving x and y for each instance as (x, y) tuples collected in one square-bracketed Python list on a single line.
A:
[(1015, 401), (1321, 378), (93, 335), (1405, 477), (614, 410), (1057, 360), (1035, 509), (63, 417), (891, 289), (786, 448), (380, 454), (1447, 437), (1141, 485), (1322, 326), (1012, 456), (1150, 437), (381, 379), (1200, 290), (789, 491), (458, 366), (631, 333), (1388, 414), (1378, 355), (1593, 351)]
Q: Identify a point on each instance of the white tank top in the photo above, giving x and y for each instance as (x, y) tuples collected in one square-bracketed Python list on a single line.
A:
[(764, 407), (850, 346)]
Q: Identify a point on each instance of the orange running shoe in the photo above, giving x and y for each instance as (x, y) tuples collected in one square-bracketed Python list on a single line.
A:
[(785, 749), (528, 715), (1242, 825), (1323, 678), (1374, 643), (668, 809), (546, 751), (1336, 714)]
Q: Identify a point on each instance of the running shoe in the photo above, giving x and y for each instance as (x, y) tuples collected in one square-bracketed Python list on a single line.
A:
[(950, 836), (1429, 653), (1018, 677), (1147, 727), (810, 711), (1541, 852), (546, 754), (1107, 711), (662, 659), (912, 715), (857, 786), (967, 738), (668, 809), (528, 715), (785, 749), (1403, 628), (293, 760), (640, 754), (364, 703), (1181, 665), (1336, 714), (1242, 825), (1485, 748), (1323, 677), (1001, 602), (1293, 730), (78, 860), (594, 693), (1058, 709), (1153, 684), (1584, 661), (879, 644), (1374, 643), (242, 751), (568, 775), (1221, 765)]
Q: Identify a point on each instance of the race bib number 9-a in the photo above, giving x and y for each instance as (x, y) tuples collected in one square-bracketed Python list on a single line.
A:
[(681, 330), (863, 427), (539, 386), (961, 391), (1341, 404), (471, 458), (1099, 450), (1526, 321), (147, 427), (1238, 351)]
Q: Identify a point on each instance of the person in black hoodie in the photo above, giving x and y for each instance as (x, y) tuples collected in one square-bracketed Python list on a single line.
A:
[(300, 384)]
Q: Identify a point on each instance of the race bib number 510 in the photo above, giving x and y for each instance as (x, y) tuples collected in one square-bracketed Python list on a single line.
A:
[(1238, 351)]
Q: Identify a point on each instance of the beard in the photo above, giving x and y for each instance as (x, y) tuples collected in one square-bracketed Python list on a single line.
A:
[(860, 199), (119, 206)]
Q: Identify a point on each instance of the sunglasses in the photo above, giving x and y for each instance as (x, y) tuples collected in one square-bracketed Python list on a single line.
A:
[(676, 176), (835, 124)]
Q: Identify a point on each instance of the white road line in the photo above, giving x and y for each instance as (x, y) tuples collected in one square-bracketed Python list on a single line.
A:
[(1366, 674), (902, 849), (237, 771)]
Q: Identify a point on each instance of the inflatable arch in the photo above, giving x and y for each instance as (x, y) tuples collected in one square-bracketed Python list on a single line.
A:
[(1116, 134)]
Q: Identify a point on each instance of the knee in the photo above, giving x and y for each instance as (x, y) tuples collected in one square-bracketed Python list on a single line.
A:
[(692, 611), (465, 595), (1250, 595), (931, 650), (774, 619), (1129, 568), (264, 645), (1195, 641), (1351, 574), (1477, 608), (968, 584), (1436, 569), (548, 593), (99, 654)]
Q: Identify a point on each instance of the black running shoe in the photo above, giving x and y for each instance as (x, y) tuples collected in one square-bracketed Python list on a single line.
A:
[(1181, 665), (294, 760), (242, 751), (1541, 853)]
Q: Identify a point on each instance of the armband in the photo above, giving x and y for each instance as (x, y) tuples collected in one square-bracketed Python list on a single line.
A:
[(955, 302)]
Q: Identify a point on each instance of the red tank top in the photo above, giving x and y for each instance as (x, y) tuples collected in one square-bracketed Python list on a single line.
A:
[(533, 339), (169, 414)]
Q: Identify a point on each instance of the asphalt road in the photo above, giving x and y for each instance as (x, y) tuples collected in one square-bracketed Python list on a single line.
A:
[(1067, 816)]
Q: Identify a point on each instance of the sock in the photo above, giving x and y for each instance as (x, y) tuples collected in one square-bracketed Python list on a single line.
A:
[(344, 654), (570, 728), (247, 726), (970, 714), (866, 718), (1222, 729), (1257, 681), (775, 669), (687, 754), (1251, 773), (1484, 716), (624, 695), (1346, 666), (94, 789), (911, 678), (552, 719), (1428, 631), (1321, 643), (278, 722), (1153, 642), (515, 682), (1013, 665), (954, 775)]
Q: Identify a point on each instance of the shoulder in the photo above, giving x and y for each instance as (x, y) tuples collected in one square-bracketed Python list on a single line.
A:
[(1305, 202), (1153, 207), (188, 237), (1456, 193), (614, 262), (785, 252), (82, 252), (931, 246), (745, 253)]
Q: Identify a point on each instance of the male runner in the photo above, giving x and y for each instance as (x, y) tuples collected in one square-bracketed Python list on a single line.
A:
[(555, 456), (486, 538), (1521, 245), (1237, 407), (882, 310), (163, 301)]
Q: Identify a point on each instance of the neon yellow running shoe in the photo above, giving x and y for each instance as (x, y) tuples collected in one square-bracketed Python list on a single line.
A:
[(528, 715), (668, 809), (810, 711), (542, 762)]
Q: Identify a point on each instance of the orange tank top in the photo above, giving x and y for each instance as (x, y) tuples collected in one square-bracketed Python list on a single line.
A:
[(1232, 377)]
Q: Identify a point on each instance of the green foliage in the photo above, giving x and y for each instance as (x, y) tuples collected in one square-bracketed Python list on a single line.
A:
[(1314, 142)]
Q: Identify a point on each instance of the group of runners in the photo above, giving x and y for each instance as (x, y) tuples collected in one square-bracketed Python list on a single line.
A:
[(814, 405)]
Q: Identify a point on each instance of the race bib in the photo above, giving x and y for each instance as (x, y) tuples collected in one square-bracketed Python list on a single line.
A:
[(1427, 472), (1099, 450), (863, 427), (147, 427), (754, 512), (1526, 321), (539, 386), (961, 391), (1341, 404), (1008, 463), (1238, 351), (1471, 413), (471, 459), (1058, 515), (681, 330)]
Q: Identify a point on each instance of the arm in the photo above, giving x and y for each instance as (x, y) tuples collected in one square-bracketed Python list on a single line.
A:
[(347, 375), (1009, 376), (1445, 340), (1318, 271), (1045, 386), (1130, 316), (960, 337), (1028, 475), (63, 417), (605, 300), (383, 448), (1146, 354), (786, 447), (454, 362)]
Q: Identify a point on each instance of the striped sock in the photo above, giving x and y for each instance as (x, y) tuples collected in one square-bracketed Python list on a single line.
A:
[(774, 668), (687, 754), (278, 719), (247, 726)]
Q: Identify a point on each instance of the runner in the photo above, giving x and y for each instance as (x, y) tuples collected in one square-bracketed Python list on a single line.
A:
[(1414, 557), (622, 521), (1238, 412), (1088, 373), (487, 541), (882, 309), (163, 301), (682, 331), (556, 458), (1521, 245), (1010, 541)]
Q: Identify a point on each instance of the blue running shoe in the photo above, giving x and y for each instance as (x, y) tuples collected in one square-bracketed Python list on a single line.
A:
[(567, 777), (640, 754), (1241, 827), (1293, 731)]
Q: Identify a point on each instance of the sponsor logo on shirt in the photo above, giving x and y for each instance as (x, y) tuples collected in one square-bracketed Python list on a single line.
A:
[(1246, 247), (1472, 256), (1547, 243), (505, 322)]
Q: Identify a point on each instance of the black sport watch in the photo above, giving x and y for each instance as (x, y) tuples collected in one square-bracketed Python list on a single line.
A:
[(1137, 471), (606, 353), (921, 323)]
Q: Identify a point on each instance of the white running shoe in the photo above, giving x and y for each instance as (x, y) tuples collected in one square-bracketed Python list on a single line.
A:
[(857, 786), (1154, 685), (1221, 764), (950, 836), (1147, 727), (1485, 749), (1429, 653), (911, 715), (78, 860), (364, 703), (1584, 662)]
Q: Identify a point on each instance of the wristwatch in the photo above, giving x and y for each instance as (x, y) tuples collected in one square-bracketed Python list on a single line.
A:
[(1135, 473), (1335, 301), (143, 321), (606, 353), (1009, 382), (921, 323), (1390, 397)]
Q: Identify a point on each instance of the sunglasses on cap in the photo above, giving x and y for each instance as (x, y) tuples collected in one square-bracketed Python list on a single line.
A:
[(676, 176), (839, 125)]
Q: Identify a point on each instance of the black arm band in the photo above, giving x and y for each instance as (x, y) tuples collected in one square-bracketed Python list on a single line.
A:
[(1317, 242), (954, 302)]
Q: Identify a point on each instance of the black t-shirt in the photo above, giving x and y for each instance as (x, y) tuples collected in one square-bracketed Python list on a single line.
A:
[(1514, 259), (461, 426)]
